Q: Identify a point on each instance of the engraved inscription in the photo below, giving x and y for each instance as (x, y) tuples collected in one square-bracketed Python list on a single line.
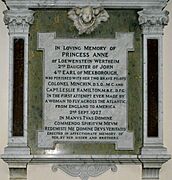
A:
[(85, 90)]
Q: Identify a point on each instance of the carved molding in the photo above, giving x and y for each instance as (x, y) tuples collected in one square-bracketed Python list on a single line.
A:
[(86, 19), (18, 21), (19, 173), (150, 173), (131, 4), (153, 20), (84, 171)]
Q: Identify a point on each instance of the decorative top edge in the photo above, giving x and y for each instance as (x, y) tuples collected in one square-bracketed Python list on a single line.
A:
[(134, 4)]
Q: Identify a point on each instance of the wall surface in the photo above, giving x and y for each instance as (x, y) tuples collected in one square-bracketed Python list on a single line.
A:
[(43, 172)]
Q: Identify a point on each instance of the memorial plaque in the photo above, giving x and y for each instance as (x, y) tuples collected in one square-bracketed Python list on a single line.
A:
[(90, 79), (85, 90), (117, 53)]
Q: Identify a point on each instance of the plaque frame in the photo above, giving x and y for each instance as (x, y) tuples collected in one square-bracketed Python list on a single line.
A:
[(152, 19)]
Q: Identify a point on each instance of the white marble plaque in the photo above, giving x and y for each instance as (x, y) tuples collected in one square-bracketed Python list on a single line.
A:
[(85, 90)]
